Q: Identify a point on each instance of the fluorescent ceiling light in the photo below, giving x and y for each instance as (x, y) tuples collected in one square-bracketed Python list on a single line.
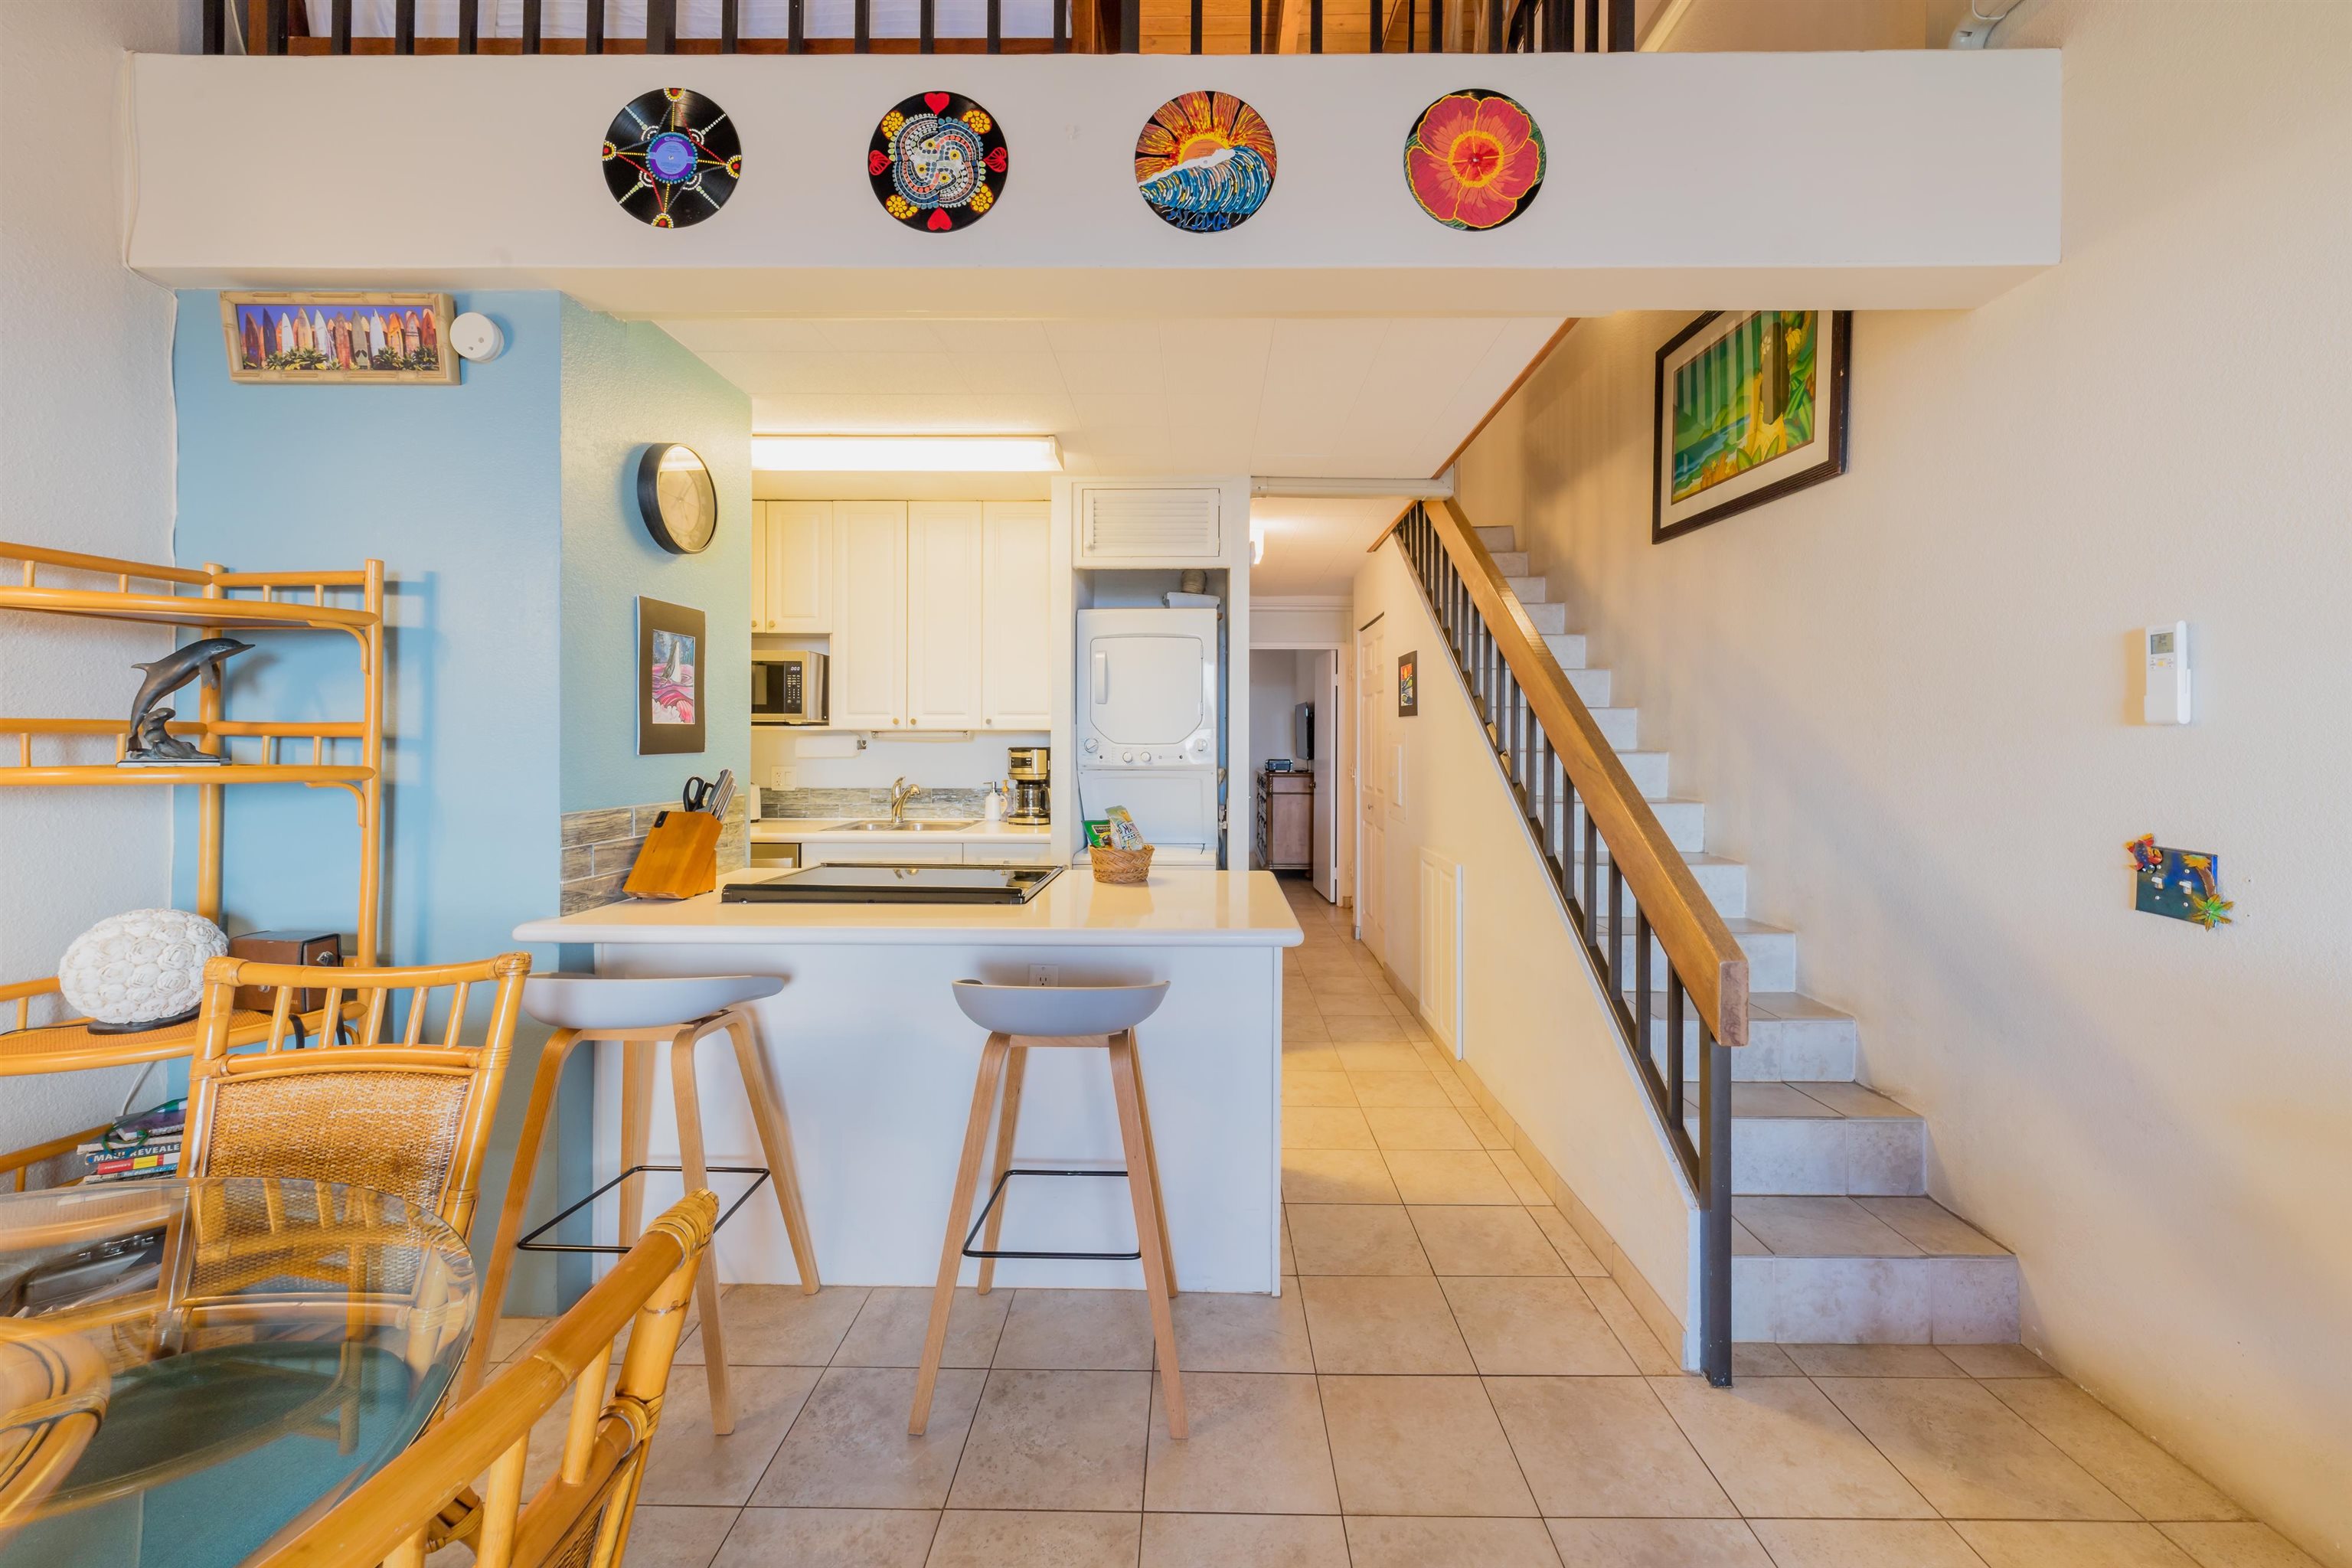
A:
[(1300, 487), (908, 453)]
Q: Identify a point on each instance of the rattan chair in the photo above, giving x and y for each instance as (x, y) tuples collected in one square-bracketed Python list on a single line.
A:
[(400, 1114), (580, 1518)]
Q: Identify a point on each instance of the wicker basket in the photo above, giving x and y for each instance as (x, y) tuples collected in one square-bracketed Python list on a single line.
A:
[(1127, 867)]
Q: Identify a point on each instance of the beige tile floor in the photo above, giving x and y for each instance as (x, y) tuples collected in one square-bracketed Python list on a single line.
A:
[(1450, 1380)]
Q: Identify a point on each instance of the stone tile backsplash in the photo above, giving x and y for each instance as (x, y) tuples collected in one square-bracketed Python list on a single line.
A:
[(600, 846), (935, 801)]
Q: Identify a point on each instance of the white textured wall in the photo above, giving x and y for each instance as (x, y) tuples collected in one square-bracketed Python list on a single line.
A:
[(86, 456), (1910, 699)]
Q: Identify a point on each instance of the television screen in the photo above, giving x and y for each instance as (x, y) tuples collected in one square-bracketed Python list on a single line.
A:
[(1302, 736)]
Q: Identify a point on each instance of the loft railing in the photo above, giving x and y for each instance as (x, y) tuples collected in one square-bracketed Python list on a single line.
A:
[(1606, 854), (916, 26)]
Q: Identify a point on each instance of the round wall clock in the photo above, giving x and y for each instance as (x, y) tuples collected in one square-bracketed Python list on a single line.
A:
[(1204, 161), (677, 498), (1474, 159), (936, 162), (671, 158)]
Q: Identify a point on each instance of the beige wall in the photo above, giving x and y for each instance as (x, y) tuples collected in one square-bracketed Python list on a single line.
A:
[(1910, 699), (86, 463)]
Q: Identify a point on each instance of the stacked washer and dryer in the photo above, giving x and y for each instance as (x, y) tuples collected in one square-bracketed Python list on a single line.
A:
[(1149, 738)]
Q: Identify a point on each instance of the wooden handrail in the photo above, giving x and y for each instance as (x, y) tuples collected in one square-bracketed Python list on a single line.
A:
[(1704, 952)]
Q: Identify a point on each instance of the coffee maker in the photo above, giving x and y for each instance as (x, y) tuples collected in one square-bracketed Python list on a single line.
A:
[(1029, 770)]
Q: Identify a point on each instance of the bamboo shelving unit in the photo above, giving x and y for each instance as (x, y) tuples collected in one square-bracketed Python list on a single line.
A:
[(211, 601)]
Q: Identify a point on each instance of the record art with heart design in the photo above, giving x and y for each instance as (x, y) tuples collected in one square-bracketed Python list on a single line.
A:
[(672, 158), (1204, 161), (1474, 159), (936, 162)]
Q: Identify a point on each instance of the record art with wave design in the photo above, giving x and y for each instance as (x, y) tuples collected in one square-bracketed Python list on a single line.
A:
[(672, 157), (1204, 161), (936, 162)]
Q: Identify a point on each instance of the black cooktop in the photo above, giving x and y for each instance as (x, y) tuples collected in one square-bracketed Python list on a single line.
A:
[(893, 885)]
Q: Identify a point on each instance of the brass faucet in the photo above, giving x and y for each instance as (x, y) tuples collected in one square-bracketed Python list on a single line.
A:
[(900, 790)]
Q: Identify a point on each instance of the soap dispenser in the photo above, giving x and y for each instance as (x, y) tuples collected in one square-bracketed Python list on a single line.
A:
[(991, 806)]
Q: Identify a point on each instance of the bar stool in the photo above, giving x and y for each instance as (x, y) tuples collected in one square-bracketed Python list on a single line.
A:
[(1018, 1017), (642, 1014)]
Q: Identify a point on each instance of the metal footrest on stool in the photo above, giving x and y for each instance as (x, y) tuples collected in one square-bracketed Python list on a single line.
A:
[(996, 1193), (532, 1243)]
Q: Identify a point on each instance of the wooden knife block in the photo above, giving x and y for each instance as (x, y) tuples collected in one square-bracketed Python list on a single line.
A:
[(680, 858)]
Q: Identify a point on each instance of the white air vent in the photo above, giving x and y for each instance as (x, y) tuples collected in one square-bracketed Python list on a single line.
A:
[(1134, 526)]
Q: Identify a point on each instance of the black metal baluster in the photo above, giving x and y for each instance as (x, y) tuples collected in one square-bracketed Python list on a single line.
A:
[(730, 26), (1436, 26), (339, 26), (1411, 27), (1130, 27), (404, 28), (1374, 22), (995, 27), (1674, 1075), (1568, 842), (1314, 27), (1591, 868), (661, 27), (593, 33), (1616, 928), (1061, 24), (1592, 26), (531, 25), (926, 26), (1621, 26), (1714, 1228), (1257, 26), (1641, 1031), (470, 27), (273, 27), (215, 26), (1495, 26), (1196, 26)]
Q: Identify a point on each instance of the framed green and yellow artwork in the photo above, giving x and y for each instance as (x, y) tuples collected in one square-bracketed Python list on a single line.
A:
[(1750, 404)]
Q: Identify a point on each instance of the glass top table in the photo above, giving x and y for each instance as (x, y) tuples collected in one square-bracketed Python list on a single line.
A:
[(187, 1368)]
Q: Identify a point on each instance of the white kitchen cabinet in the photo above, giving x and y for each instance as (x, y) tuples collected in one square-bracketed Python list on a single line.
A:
[(943, 615), (868, 672), (881, 854), (760, 567), (1016, 686), (795, 593)]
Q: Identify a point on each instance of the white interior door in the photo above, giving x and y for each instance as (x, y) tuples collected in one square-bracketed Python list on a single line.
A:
[(1372, 698), (943, 647)]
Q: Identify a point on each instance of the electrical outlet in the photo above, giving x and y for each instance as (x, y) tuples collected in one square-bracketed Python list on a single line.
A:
[(777, 776), (1045, 974)]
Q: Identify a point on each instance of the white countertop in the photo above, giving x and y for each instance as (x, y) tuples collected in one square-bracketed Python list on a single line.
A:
[(831, 830), (1178, 907)]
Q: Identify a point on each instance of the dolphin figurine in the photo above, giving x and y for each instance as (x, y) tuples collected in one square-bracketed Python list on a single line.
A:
[(150, 741)]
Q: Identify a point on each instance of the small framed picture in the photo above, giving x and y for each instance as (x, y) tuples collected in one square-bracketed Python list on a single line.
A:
[(670, 644), (1408, 685), (339, 337)]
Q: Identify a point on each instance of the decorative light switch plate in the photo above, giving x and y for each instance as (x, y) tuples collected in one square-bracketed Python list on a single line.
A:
[(2182, 884)]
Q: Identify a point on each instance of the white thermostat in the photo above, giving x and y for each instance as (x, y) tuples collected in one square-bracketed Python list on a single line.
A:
[(476, 337), (2166, 701)]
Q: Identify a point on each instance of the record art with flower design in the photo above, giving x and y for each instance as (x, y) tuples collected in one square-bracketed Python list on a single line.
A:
[(1204, 161), (672, 158), (1474, 159), (936, 162)]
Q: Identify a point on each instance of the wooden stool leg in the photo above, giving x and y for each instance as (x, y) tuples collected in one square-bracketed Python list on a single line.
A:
[(1008, 1121), (636, 1132), (695, 1172), (544, 1085), (1148, 1231), (1152, 1149), (776, 1142), (976, 1145)]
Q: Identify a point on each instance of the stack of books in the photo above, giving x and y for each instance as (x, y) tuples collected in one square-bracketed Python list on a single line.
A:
[(147, 1145)]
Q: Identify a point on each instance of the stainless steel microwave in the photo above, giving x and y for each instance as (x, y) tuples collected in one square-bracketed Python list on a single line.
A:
[(788, 687)]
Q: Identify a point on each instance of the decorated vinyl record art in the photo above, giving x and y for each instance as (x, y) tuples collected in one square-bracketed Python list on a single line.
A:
[(672, 158), (1474, 159), (1204, 161), (936, 162)]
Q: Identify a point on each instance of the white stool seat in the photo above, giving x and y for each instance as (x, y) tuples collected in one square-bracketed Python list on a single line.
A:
[(603, 1001), (1048, 1010)]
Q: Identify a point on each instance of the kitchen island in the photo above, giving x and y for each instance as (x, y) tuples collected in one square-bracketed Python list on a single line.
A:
[(876, 1062)]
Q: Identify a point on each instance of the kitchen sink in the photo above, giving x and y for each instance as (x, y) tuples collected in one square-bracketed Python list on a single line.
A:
[(925, 824)]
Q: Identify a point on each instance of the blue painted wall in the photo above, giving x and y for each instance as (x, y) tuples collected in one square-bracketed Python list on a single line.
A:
[(503, 510), (626, 384)]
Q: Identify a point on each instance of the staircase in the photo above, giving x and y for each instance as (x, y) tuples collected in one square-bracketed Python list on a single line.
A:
[(1834, 1239)]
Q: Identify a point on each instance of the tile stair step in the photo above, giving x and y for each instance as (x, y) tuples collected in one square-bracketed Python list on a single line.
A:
[(1820, 1269), (1496, 539), (1683, 820), (1819, 1140), (1772, 952), (1592, 686), (1528, 589), (1549, 620), (1510, 562), (1618, 726), (1648, 771), (1790, 1039), (1568, 647), (1722, 878)]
